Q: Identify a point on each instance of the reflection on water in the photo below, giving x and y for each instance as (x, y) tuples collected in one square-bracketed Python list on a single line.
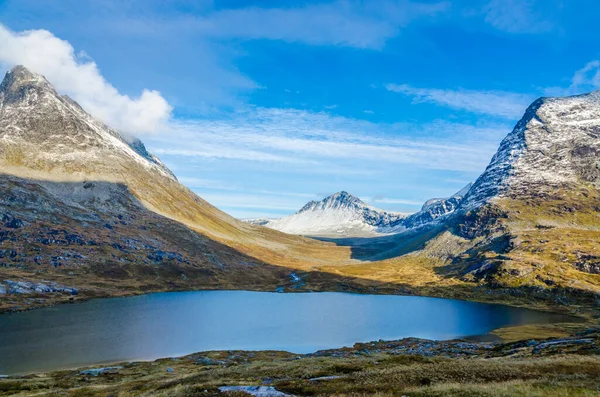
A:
[(171, 324)]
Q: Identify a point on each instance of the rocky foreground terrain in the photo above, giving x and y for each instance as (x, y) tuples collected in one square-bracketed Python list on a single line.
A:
[(411, 367)]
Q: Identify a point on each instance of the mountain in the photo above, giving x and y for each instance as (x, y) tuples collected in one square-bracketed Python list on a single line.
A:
[(38, 127), (340, 214), (345, 215), (86, 206), (531, 219), (554, 146)]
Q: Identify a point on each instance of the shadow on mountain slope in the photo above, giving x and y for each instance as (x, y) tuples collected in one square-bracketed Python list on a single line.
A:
[(385, 247), (97, 237)]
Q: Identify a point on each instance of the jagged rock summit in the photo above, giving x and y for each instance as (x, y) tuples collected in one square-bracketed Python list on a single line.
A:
[(43, 131), (555, 145)]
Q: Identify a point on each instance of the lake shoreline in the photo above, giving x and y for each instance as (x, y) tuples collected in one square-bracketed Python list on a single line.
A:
[(213, 320), (473, 294), (342, 370)]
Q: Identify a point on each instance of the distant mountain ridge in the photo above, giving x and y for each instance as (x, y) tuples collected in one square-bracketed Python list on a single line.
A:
[(338, 214), (342, 214)]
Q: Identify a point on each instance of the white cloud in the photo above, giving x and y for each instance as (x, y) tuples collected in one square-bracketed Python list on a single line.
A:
[(588, 76), (583, 80), (494, 103), (79, 77), (344, 23), (518, 16)]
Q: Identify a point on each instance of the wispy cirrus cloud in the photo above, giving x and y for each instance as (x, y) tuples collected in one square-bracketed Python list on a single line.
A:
[(520, 16), (359, 24), (311, 140), (587, 77), (311, 152), (494, 103)]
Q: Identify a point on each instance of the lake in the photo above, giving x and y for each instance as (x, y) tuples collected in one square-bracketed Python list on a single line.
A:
[(172, 324)]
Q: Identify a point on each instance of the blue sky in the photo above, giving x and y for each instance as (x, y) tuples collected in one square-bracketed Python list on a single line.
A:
[(262, 106)]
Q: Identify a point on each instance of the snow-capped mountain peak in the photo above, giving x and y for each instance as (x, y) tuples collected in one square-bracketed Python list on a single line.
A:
[(335, 201), (338, 214), (342, 214), (37, 120), (556, 144)]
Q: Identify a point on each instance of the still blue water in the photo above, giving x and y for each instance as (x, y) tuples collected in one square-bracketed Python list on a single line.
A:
[(172, 324)]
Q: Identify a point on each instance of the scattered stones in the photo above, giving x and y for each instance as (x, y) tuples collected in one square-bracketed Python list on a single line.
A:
[(588, 263), (170, 370), (209, 361), (11, 222), (160, 256), (27, 287), (258, 391), (560, 342), (99, 371)]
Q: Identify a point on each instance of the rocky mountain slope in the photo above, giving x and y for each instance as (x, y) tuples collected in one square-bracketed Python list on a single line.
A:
[(87, 207), (344, 215), (556, 145), (531, 219)]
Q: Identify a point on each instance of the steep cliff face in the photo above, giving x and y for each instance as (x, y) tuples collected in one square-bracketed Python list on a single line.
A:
[(533, 214), (42, 130), (555, 145)]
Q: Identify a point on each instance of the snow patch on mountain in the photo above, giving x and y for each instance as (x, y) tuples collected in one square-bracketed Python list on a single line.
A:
[(55, 130), (343, 214), (339, 214), (436, 210), (554, 145)]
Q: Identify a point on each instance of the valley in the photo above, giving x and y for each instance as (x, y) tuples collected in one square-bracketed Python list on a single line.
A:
[(87, 212)]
